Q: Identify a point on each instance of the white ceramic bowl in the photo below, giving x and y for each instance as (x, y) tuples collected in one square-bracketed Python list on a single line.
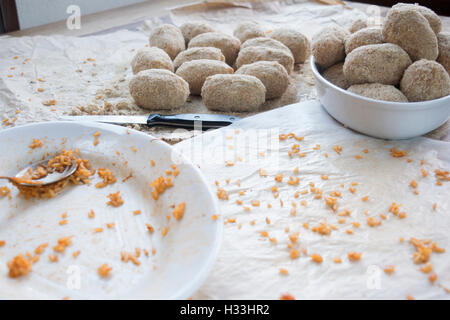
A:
[(183, 257), (380, 119)]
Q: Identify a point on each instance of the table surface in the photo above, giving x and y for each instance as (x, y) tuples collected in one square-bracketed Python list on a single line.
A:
[(122, 17)]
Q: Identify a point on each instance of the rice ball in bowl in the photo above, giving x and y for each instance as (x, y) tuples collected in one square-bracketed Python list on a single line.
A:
[(377, 118)]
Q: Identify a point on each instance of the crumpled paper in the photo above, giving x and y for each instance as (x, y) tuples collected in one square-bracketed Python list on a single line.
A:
[(249, 262)]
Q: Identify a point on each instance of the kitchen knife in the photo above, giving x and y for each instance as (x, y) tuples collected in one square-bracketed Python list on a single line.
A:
[(188, 120)]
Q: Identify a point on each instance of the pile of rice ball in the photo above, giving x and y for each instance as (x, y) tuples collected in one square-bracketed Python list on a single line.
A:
[(230, 72), (407, 59)]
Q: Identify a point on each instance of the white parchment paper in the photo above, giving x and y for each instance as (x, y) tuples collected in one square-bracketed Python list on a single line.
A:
[(248, 264)]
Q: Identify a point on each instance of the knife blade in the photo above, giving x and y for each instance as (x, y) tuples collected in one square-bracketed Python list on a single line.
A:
[(187, 120)]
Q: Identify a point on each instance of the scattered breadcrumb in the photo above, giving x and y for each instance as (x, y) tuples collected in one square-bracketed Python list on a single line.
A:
[(178, 212), (316, 258), (36, 144), (104, 270), (4, 191), (115, 199), (160, 185), (107, 176), (284, 272), (19, 266), (389, 269), (354, 256), (398, 153), (222, 194), (287, 296)]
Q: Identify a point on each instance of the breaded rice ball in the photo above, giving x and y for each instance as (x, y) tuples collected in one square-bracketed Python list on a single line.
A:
[(297, 42), (229, 45), (425, 80), (379, 91), (410, 30), (195, 72), (151, 58), (376, 63), (169, 38), (253, 54), (233, 92), (264, 42), (328, 46), (358, 25), (272, 74), (158, 89), (363, 37), (335, 74), (198, 53), (433, 19), (248, 30), (193, 29), (444, 50)]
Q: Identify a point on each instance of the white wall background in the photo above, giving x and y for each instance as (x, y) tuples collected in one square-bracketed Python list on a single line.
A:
[(34, 13)]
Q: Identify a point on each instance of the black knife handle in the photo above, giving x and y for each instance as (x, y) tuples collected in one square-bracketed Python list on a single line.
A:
[(191, 121)]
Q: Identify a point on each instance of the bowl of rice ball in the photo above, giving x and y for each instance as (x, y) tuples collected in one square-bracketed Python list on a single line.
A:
[(389, 81)]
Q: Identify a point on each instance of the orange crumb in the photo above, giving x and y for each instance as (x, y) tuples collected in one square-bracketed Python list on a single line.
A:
[(91, 214), (294, 254), (107, 176), (427, 268), (115, 199), (398, 153), (338, 149), (287, 296), (104, 270), (222, 194), (150, 228), (164, 231), (284, 272), (316, 258), (160, 185), (255, 203), (279, 177), (35, 144), (178, 212), (53, 258), (413, 184), (337, 260), (424, 172), (19, 266), (354, 256), (76, 253), (372, 222), (389, 269), (432, 277)]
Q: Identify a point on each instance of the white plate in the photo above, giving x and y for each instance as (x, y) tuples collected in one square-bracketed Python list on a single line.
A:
[(380, 119), (183, 257)]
